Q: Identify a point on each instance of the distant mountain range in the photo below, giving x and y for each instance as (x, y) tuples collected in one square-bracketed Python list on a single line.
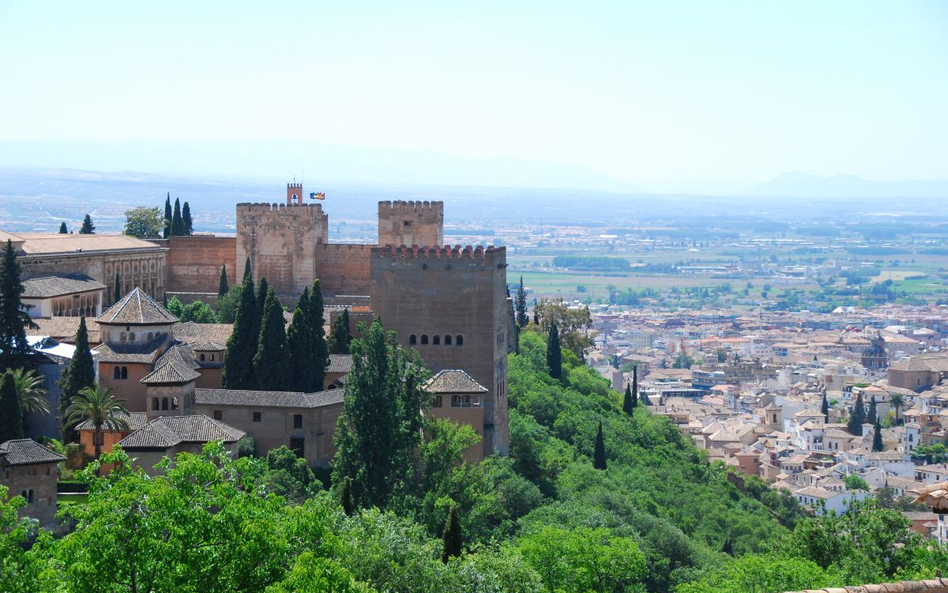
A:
[(804, 185)]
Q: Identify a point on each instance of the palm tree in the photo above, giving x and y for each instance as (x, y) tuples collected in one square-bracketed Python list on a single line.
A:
[(30, 391), (102, 408), (897, 401)]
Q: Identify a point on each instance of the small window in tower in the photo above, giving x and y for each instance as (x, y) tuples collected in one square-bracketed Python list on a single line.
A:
[(117, 373), (218, 414), (436, 340), (460, 340), (424, 339), (125, 372), (164, 403), (407, 223), (412, 340), (154, 403), (256, 416), (447, 340), (202, 358), (297, 421)]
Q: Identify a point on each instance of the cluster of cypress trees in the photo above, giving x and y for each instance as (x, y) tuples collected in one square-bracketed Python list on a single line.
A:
[(262, 354), (178, 222)]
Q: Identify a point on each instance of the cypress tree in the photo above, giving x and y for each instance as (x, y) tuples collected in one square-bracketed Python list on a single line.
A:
[(599, 455), (270, 368), (187, 223), (824, 408), (871, 416), (261, 302), (167, 230), (340, 336), (248, 270), (643, 397), (522, 318), (87, 227), (627, 404), (14, 318), (177, 225), (242, 343), (857, 418), (117, 295), (345, 496), (554, 357), (222, 287), (452, 536), (635, 386), (81, 370), (298, 339), (62, 229), (877, 437), (11, 415), (536, 315), (318, 343)]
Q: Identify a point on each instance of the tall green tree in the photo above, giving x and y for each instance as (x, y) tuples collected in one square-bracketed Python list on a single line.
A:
[(117, 293), (318, 344), (340, 336), (177, 224), (14, 318), (186, 222), (62, 229), (168, 216), (242, 343), (857, 418), (521, 305), (345, 496), (554, 357), (298, 339), (222, 287), (824, 408), (873, 413), (30, 391), (628, 404), (599, 453), (248, 270), (270, 363), (80, 373), (379, 433), (877, 436), (897, 401), (451, 538), (11, 414), (87, 227), (144, 223), (635, 386), (100, 406)]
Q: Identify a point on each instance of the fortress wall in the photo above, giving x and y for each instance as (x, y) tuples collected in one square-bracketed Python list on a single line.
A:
[(343, 269), (411, 223), (194, 263)]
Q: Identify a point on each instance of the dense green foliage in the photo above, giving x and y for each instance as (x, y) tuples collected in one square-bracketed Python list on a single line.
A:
[(520, 305), (99, 406), (554, 356), (63, 230), (242, 343), (271, 362), (222, 286), (177, 223), (11, 414), (80, 373), (857, 417), (186, 221), (340, 335), (144, 223), (87, 227), (318, 354), (14, 318)]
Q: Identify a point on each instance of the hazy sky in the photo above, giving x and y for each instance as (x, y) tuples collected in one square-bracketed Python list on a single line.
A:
[(739, 91)]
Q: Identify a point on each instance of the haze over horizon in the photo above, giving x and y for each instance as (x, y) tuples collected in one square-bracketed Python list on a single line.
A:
[(680, 97)]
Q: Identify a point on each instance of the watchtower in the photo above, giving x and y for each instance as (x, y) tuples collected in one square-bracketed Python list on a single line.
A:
[(294, 193), (411, 223)]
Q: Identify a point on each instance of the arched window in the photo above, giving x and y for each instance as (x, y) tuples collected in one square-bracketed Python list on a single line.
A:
[(164, 403), (212, 358), (174, 403), (412, 340), (117, 373), (460, 340), (447, 340), (151, 335), (424, 339), (202, 357), (124, 337), (154, 403), (131, 337), (125, 372), (436, 340)]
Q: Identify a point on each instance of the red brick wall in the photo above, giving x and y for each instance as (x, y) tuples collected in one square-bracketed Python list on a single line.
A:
[(194, 263)]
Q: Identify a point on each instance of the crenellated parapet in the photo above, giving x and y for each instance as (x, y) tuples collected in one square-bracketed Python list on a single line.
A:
[(411, 223), (441, 252)]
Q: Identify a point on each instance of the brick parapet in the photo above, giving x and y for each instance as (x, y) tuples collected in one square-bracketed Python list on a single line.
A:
[(439, 252)]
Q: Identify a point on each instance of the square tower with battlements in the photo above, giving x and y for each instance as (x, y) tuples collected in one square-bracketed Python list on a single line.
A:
[(411, 223)]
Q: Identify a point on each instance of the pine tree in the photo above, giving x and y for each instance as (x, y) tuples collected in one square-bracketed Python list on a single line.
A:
[(87, 227), (452, 536), (14, 318), (186, 221), (248, 270), (167, 230), (522, 318), (857, 418), (340, 336), (824, 408), (177, 225), (242, 343), (81, 370), (877, 436), (871, 416), (627, 404), (117, 294), (270, 367), (298, 338), (62, 229), (222, 287), (554, 357), (599, 455), (318, 344), (345, 496), (11, 415)]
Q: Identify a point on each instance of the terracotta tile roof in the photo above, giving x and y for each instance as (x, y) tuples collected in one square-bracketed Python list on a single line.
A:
[(171, 372), (181, 354), (454, 381), (142, 353), (57, 285), (137, 308), (64, 329), (201, 333), (27, 452), (268, 399), (47, 243), (168, 431), (134, 420), (208, 347), (339, 363)]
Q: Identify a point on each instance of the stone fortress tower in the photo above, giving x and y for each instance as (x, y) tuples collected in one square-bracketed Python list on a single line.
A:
[(411, 223)]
